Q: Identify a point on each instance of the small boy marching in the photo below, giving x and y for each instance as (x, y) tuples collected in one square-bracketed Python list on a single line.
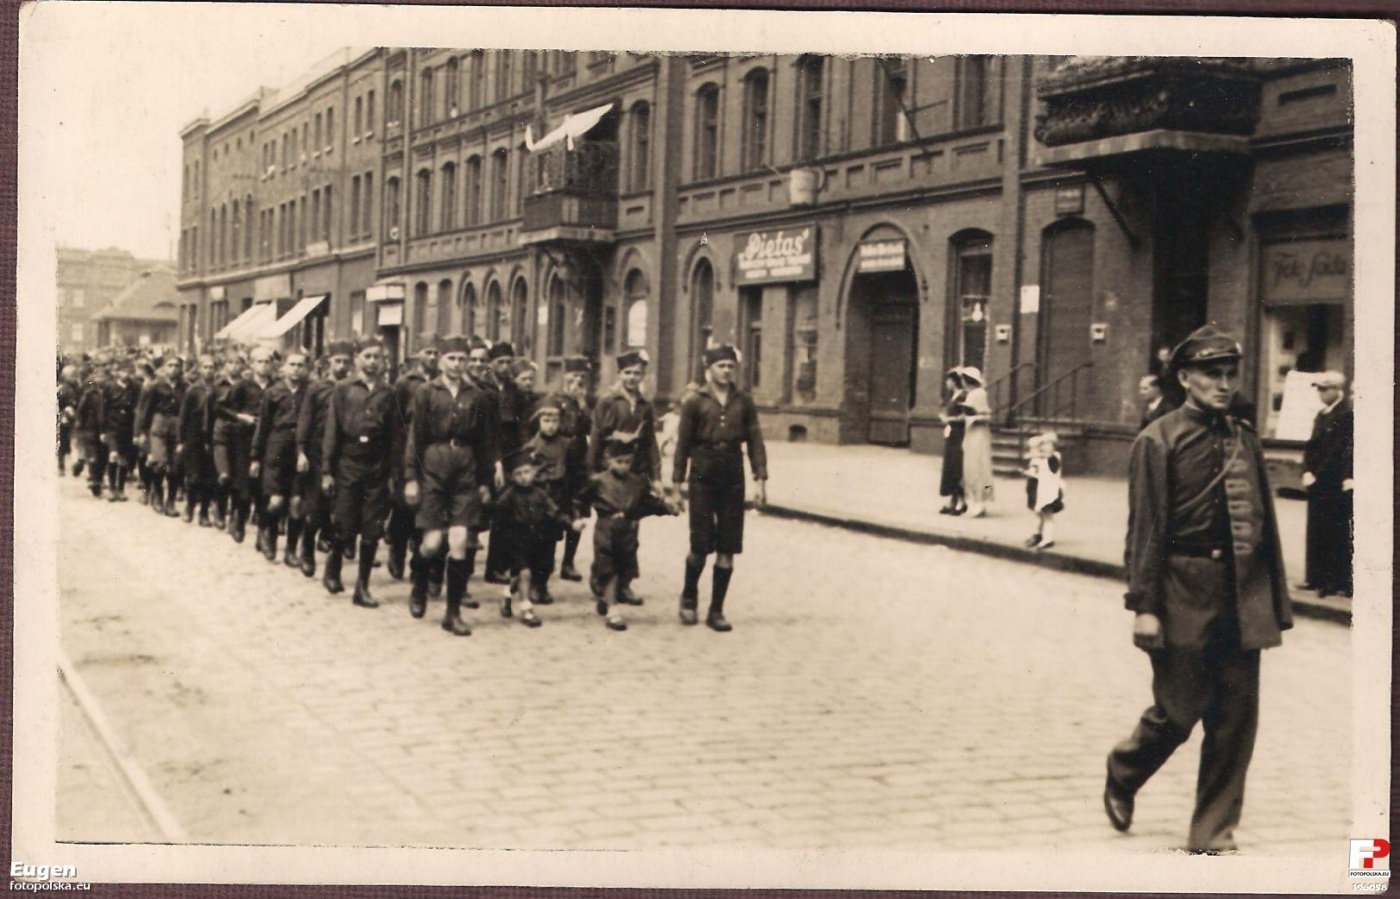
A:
[(1045, 489), (526, 527), (621, 498), (561, 473)]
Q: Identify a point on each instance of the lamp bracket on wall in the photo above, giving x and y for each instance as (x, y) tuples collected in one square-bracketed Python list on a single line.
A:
[(1122, 222)]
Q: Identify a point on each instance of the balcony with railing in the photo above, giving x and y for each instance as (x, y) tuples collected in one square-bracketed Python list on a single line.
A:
[(572, 194), (1094, 109)]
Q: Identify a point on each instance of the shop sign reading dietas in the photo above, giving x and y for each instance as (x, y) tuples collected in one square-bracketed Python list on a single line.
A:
[(786, 254)]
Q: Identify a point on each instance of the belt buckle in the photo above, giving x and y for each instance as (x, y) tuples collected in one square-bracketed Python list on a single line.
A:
[(364, 438)]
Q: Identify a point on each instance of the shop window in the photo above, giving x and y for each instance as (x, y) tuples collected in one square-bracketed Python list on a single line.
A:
[(751, 337), (707, 133), (755, 134), (809, 108)]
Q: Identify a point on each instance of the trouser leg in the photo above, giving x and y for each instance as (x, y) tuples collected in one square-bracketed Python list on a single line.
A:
[(1178, 689), (1230, 722)]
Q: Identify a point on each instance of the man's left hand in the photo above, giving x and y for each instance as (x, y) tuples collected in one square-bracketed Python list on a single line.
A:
[(760, 494), (1346, 485)]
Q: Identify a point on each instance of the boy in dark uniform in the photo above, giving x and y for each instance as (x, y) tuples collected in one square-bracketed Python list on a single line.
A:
[(448, 462), (273, 458), (527, 525), (1206, 581), (575, 421), (401, 534), (145, 378), (87, 425), (625, 410), (716, 424), (159, 429), (226, 374), (356, 452), (233, 440), (621, 498), (68, 395), (560, 473), (311, 431), (122, 394), (192, 447)]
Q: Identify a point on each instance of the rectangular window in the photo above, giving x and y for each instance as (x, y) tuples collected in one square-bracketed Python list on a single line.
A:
[(755, 136), (707, 133), (355, 206), (977, 100), (369, 112), (809, 108), (888, 122), (368, 215), (423, 204), (500, 185), (330, 129), (359, 117), (326, 222), (392, 209), (316, 144), (315, 212)]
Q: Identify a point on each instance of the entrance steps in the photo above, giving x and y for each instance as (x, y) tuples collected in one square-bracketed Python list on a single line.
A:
[(1010, 454)]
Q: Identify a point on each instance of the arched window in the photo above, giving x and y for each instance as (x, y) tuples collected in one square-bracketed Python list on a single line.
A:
[(421, 310), (497, 314), (809, 108), (427, 107), (641, 147), (519, 328), (702, 300), (452, 87), (474, 191), (707, 132), (500, 184), (441, 322), (635, 292), (449, 197), (471, 320), (755, 136), (558, 310), (393, 112), (423, 200)]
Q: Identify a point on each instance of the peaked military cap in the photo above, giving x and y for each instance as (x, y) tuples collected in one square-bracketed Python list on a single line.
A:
[(1203, 346)]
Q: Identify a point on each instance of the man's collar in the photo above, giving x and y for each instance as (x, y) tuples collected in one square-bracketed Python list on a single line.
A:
[(1326, 410), (361, 378)]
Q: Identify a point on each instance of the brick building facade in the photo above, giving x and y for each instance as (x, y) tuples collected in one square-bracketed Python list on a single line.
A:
[(87, 281)]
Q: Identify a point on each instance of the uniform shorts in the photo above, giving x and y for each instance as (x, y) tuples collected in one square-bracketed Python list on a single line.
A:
[(361, 501), (615, 543), (279, 465), (231, 460), (124, 445), (516, 555), (197, 465), (448, 492), (717, 516)]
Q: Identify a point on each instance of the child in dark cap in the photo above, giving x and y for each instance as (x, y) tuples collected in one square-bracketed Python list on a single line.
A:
[(621, 498), (526, 527)]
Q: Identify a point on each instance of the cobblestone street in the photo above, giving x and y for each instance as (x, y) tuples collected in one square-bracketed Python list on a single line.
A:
[(873, 693)]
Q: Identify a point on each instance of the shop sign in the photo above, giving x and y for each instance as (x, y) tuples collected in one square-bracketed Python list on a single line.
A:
[(1303, 272), (1069, 200), (272, 287), (882, 256), (785, 254)]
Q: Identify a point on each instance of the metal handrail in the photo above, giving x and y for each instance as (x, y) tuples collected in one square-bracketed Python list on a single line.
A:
[(994, 389), (1053, 388)]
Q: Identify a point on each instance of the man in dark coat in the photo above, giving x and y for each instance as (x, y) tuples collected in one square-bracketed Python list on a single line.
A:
[(237, 414), (1206, 581), (1327, 460), (87, 425), (192, 446)]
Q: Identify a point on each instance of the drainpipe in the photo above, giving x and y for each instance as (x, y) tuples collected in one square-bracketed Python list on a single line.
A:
[(1017, 265)]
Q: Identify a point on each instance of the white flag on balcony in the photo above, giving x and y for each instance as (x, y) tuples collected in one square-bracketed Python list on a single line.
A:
[(574, 126)]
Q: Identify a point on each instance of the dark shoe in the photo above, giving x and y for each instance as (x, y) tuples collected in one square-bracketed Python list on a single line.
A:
[(626, 597), (188, 514), (395, 565), (601, 607), (269, 548), (1118, 804), (506, 611), (958, 511), (235, 530), (113, 498), (332, 584), (78, 468), (363, 597), (96, 491), (570, 573), (323, 545), (290, 559), (145, 497), (121, 496), (172, 510), (543, 598), (689, 615), (348, 553), (417, 605), (307, 566), (530, 619), (1033, 541), (219, 521), (715, 622), (616, 624), (456, 626), (204, 521)]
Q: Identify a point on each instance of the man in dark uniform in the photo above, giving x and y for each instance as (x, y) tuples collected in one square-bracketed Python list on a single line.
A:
[(1327, 475), (273, 458), (192, 443), (122, 394), (356, 452), (227, 372), (146, 379), (481, 369), (1206, 581), (159, 433), (575, 421), (624, 410), (68, 395), (88, 425), (716, 423), (401, 534), (311, 431), (448, 463), (233, 440)]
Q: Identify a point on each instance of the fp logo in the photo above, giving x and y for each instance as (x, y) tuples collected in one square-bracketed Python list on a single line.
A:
[(1365, 854)]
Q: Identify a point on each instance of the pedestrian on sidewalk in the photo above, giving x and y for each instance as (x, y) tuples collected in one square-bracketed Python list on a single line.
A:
[(716, 424), (1206, 581), (1155, 403), (954, 428), (356, 451), (1327, 477), (977, 443), (1045, 492), (621, 497)]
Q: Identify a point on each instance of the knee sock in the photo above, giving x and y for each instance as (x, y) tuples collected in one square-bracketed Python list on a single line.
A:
[(720, 586), (294, 529), (694, 566), (571, 541)]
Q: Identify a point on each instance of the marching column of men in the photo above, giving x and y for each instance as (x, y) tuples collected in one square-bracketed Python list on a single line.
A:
[(341, 459)]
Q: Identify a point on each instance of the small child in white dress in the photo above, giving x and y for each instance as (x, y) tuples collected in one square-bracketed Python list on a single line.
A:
[(1045, 487)]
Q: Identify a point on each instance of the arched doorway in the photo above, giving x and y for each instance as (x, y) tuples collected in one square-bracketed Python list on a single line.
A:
[(1067, 305)]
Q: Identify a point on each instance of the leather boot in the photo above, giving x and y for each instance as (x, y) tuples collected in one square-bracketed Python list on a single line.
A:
[(189, 511), (291, 558), (362, 596), (268, 533), (715, 619), (456, 578), (567, 571), (398, 550), (236, 525), (330, 578), (418, 595), (307, 561), (690, 593), (172, 505), (436, 575)]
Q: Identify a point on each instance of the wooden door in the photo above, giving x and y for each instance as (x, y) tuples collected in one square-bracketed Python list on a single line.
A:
[(892, 329), (1066, 308)]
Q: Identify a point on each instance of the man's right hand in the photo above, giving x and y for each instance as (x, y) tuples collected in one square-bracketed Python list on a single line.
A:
[(254, 469), (1309, 479), (327, 483), (1147, 632), (303, 463), (410, 492)]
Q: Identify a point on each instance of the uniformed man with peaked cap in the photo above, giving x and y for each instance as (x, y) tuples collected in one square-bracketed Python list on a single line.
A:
[(1206, 581)]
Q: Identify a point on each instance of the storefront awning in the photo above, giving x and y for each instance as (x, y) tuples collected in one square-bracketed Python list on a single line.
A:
[(304, 307), (385, 292), (246, 326)]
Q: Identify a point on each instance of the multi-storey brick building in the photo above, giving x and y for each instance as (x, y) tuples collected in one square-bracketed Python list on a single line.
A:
[(87, 282), (857, 225)]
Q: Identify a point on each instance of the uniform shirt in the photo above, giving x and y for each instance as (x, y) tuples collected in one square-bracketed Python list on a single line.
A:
[(281, 406), (119, 408), (164, 399), (311, 423), (628, 495), (361, 420), (404, 389), (193, 411), (516, 408), (244, 397), (526, 516), (558, 461), (439, 417), (90, 409), (631, 415), (214, 424), (712, 433)]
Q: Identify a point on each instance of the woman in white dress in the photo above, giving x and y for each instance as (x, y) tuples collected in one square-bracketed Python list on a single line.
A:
[(977, 444)]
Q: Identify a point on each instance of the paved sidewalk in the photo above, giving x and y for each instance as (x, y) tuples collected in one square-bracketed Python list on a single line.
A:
[(894, 492)]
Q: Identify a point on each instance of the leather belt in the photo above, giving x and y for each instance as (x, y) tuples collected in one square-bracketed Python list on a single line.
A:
[(1199, 551)]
